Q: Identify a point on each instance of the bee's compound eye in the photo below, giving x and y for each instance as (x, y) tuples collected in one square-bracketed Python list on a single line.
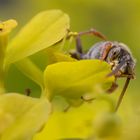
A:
[(115, 52), (113, 46)]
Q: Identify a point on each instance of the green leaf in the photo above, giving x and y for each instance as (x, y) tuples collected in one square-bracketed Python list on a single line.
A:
[(44, 30), (21, 116), (74, 79)]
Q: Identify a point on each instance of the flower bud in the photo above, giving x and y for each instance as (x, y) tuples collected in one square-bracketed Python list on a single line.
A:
[(107, 125), (5, 28)]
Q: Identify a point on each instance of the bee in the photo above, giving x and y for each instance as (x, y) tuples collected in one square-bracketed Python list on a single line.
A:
[(116, 54)]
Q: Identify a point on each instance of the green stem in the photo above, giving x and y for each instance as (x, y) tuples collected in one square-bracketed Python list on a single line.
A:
[(3, 44), (27, 67), (45, 93)]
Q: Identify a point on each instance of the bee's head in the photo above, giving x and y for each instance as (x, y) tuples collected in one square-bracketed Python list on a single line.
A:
[(119, 54)]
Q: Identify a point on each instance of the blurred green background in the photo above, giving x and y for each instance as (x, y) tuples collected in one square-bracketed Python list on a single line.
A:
[(117, 19)]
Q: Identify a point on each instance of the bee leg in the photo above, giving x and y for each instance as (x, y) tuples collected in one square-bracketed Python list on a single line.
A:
[(27, 91), (113, 87), (93, 32), (79, 44), (87, 99), (114, 72), (79, 52), (67, 108)]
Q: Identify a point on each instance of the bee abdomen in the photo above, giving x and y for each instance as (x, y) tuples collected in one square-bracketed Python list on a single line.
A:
[(95, 51)]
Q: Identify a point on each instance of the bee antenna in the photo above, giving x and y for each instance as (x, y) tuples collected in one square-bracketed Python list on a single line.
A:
[(122, 94)]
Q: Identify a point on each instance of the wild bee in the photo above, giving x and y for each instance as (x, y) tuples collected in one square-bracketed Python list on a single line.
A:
[(117, 54)]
